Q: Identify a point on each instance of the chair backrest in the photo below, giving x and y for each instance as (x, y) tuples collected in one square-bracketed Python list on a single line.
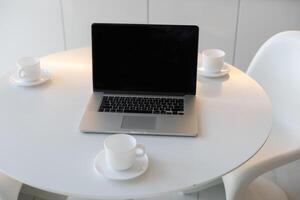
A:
[(276, 67)]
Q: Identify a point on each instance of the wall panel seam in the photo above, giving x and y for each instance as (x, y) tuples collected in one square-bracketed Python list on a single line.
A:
[(236, 31), (63, 24), (148, 8)]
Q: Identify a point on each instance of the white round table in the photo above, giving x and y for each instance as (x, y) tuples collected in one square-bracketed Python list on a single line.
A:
[(41, 145)]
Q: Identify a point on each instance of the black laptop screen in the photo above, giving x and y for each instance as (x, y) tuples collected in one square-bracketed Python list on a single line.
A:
[(144, 59)]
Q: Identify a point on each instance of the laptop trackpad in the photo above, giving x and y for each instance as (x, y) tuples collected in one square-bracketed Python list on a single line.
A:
[(136, 122)]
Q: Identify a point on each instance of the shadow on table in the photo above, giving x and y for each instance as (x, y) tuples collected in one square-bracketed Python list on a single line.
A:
[(211, 87)]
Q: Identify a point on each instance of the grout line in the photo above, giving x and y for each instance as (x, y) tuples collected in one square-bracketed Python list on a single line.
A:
[(63, 24), (236, 31), (148, 10)]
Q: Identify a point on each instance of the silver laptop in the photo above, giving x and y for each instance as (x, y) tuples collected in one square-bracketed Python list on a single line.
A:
[(144, 80)]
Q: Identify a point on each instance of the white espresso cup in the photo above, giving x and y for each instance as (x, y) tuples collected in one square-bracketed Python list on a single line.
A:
[(121, 151), (29, 69), (213, 60)]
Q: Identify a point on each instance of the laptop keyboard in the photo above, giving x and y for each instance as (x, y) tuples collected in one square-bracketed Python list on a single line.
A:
[(148, 105)]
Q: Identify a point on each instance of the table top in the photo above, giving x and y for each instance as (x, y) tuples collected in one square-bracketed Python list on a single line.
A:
[(41, 145)]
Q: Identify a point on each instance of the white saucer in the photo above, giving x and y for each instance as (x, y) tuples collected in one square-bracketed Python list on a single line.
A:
[(45, 76), (136, 170), (222, 72)]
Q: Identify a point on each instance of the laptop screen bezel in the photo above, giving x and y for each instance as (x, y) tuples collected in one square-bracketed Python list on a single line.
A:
[(193, 87)]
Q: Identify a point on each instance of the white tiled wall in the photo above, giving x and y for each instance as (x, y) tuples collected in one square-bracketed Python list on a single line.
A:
[(216, 20), (79, 15), (259, 20), (28, 28), (37, 28)]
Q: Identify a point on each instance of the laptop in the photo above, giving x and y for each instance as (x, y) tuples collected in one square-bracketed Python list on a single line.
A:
[(144, 80)]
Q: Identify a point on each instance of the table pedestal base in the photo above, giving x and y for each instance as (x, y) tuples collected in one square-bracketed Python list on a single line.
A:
[(197, 188)]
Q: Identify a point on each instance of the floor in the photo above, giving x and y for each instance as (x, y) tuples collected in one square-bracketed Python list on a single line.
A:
[(213, 193), (30, 193)]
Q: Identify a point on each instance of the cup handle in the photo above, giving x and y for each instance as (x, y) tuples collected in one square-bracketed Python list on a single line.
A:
[(21, 73), (140, 150)]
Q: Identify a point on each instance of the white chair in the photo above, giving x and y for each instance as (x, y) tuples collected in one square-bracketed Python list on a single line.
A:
[(276, 67), (9, 188)]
